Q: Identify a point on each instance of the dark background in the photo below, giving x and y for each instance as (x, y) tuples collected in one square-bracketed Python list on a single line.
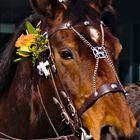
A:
[(129, 34), (13, 12)]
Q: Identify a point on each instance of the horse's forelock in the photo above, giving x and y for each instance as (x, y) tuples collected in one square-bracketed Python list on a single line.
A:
[(80, 10)]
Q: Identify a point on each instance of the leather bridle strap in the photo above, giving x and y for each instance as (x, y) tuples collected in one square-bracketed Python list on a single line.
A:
[(104, 89), (68, 137), (68, 25)]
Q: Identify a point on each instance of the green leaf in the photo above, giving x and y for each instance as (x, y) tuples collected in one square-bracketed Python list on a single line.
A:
[(23, 52), (30, 28), (20, 59)]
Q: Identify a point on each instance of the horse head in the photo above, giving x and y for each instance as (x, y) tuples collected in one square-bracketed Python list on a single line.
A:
[(83, 63), (85, 54)]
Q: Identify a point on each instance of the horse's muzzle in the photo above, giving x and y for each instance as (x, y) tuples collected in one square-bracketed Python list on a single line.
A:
[(112, 133)]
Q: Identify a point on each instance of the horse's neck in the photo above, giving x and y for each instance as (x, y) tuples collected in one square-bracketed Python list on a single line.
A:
[(23, 105)]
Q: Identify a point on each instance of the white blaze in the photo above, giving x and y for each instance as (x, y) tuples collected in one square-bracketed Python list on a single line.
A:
[(94, 34)]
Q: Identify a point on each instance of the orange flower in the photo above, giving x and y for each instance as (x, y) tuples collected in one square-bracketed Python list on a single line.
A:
[(25, 40), (23, 43)]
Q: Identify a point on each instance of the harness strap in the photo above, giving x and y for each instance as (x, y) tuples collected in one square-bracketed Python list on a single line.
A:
[(68, 25), (104, 89), (70, 137)]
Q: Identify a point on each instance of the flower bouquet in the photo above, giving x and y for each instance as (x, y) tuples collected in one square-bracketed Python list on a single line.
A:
[(33, 46)]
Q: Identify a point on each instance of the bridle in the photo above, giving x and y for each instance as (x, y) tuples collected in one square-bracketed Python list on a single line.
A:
[(48, 69), (99, 53)]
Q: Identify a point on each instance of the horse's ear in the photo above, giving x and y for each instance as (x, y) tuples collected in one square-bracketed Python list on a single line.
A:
[(118, 49), (49, 7)]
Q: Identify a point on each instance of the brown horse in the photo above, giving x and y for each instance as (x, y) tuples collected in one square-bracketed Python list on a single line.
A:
[(85, 54)]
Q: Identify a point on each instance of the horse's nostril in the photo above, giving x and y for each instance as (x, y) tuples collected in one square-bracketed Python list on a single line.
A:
[(111, 133), (137, 125), (107, 133), (105, 129), (136, 134)]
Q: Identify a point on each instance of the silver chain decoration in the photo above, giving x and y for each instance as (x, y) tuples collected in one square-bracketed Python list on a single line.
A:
[(108, 58), (99, 53), (114, 70), (94, 74)]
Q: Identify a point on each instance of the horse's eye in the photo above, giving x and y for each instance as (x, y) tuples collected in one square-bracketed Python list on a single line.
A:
[(66, 54)]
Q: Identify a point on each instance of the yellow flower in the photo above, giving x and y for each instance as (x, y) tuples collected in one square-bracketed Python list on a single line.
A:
[(25, 40), (23, 43)]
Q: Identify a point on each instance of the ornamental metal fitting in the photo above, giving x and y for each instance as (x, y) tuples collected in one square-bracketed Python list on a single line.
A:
[(86, 23), (99, 52), (46, 34), (96, 93), (68, 25), (84, 135), (114, 86)]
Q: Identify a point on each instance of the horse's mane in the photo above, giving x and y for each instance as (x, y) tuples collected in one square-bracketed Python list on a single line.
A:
[(7, 66)]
